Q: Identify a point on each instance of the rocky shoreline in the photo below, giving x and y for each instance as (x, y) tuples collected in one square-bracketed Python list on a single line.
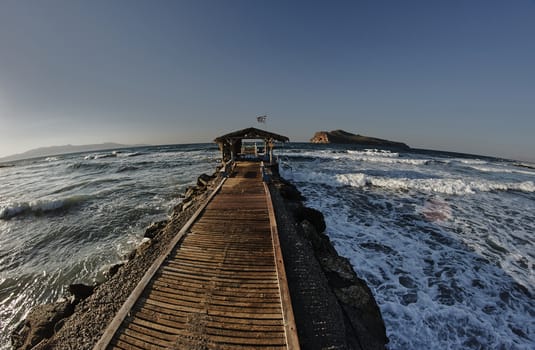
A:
[(333, 308)]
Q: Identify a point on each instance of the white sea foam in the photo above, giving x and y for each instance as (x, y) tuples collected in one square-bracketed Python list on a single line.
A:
[(424, 281), (447, 186), (369, 156), (446, 249), (490, 169), (471, 161), (431, 185), (113, 154), (375, 152), (39, 206), (389, 160)]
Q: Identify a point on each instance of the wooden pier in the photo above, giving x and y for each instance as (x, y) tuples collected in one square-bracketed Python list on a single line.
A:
[(222, 284)]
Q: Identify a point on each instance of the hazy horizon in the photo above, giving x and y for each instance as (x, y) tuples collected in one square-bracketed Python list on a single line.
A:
[(87, 148), (452, 76)]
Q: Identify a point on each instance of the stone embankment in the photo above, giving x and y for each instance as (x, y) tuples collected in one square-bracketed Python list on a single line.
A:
[(333, 308)]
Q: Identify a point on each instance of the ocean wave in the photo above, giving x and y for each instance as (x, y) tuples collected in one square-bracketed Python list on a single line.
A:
[(384, 156), (362, 156), (471, 161), (126, 168), (132, 154), (40, 206), (375, 152), (427, 259), (87, 165), (113, 154), (394, 160), (489, 169), (428, 185), (446, 186)]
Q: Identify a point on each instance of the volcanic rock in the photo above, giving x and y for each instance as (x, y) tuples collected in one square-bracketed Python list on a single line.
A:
[(80, 291), (40, 324), (155, 228)]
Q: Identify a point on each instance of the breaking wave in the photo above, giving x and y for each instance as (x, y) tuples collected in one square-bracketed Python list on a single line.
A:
[(489, 169), (40, 206), (432, 185), (367, 156), (113, 154), (375, 152)]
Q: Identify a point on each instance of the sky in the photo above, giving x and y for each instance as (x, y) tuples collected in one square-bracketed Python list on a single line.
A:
[(447, 75)]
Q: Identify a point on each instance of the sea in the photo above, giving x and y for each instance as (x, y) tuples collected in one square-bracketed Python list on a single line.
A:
[(445, 241)]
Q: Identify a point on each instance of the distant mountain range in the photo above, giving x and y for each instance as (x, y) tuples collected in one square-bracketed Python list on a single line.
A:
[(55, 150), (341, 136)]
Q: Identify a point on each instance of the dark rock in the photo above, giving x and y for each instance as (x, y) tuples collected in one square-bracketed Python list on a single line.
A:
[(362, 314), (290, 192), (190, 192), (368, 325), (130, 255), (40, 324), (186, 205), (113, 269), (520, 288), (320, 242), (339, 270), (311, 234), (178, 207), (409, 298), (203, 180), (518, 332), (154, 229), (407, 282), (80, 291), (313, 216), (378, 247), (143, 246), (505, 297)]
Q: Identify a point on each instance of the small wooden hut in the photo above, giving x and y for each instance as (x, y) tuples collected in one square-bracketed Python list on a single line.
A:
[(234, 146)]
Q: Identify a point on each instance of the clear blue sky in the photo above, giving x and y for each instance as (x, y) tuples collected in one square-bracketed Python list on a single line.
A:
[(450, 75)]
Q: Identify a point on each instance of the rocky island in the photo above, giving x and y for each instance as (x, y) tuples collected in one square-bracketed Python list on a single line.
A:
[(344, 137)]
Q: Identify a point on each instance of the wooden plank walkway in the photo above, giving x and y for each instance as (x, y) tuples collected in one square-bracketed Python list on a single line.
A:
[(222, 287)]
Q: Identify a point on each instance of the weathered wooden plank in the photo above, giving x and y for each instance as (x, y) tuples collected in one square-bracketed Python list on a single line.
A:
[(132, 338), (258, 303), (221, 287), (173, 321), (221, 290), (222, 284), (257, 275), (229, 321), (122, 345), (226, 267)]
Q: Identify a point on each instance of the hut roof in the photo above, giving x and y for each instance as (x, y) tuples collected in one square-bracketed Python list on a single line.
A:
[(251, 133)]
